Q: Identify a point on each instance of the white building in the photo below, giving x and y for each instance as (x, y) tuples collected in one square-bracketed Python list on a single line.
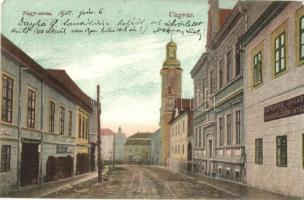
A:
[(274, 99), (120, 140), (106, 144), (181, 134)]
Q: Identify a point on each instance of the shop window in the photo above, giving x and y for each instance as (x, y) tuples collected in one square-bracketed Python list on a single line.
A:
[(5, 158)]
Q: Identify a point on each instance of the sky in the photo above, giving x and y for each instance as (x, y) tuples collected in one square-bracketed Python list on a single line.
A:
[(126, 65)]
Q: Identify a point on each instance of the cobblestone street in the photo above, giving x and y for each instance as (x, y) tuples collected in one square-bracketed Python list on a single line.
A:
[(156, 182)]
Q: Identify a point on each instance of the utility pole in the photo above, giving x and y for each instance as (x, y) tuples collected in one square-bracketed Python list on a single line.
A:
[(99, 165), (113, 151)]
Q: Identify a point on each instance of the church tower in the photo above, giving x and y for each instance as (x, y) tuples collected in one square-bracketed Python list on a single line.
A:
[(171, 88)]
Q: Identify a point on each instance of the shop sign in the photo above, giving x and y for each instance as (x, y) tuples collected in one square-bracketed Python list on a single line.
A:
[(287, 108)]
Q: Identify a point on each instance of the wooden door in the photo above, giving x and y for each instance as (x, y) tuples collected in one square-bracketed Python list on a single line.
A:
[(29, 164)]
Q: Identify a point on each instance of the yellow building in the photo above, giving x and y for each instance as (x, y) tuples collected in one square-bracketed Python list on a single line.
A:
[(81, 148), (171, 75)]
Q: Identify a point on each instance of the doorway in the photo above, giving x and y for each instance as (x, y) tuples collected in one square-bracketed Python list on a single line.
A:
[(189, 158), (210, 148), (29, 164)]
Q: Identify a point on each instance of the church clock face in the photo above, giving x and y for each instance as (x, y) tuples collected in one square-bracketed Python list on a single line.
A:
[(169, 102)]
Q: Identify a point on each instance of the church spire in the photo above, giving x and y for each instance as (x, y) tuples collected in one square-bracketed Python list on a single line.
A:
[(171, 59)]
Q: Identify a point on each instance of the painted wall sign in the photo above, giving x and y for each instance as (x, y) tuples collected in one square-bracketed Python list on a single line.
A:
[(287, 108)]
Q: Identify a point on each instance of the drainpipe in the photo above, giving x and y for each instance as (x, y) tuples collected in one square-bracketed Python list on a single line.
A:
[(19, 147), (41, 134)]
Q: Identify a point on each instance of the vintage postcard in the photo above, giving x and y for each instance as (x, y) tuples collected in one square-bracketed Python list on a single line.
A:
[(163, 99)]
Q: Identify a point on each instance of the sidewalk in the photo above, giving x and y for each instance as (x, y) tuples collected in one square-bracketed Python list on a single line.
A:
[(38, 191), (240, 190)]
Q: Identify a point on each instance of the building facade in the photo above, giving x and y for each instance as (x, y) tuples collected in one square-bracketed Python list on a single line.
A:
[(171, 87), (219, 141), (181, 136), (274, 99), (138, 149), (38, 122), (119, 140), (83, 116), (107, 142), (155, 147)]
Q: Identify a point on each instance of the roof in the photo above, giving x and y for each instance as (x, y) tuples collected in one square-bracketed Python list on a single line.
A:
[(141, 135), (106, 132), (223, 15), (64, 78), (15, 53), (266, 17), (181, 106), (137, 142), (171, 44), (201, 61)]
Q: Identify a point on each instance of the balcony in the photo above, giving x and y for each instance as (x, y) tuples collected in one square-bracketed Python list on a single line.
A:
[(231, 154)]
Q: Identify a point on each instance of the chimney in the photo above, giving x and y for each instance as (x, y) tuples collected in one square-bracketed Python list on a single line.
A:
[(119, 129), (213, 19)]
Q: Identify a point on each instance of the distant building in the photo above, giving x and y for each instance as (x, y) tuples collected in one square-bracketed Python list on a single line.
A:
[(155, 147), (181, 135), (106, 137), (138, 149), (171, 88), (274, 99), (120, 140)]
